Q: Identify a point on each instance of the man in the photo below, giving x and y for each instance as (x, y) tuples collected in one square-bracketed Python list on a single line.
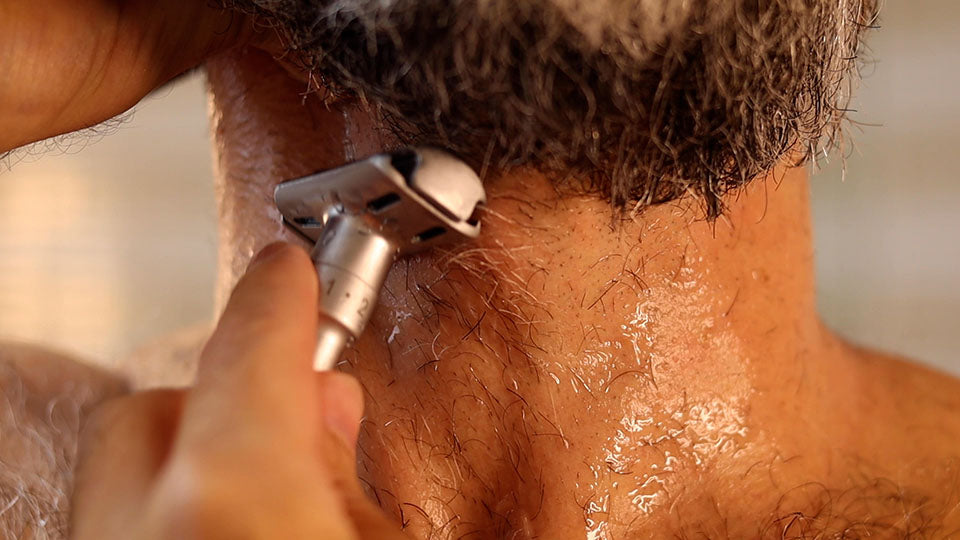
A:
[(603, 362)]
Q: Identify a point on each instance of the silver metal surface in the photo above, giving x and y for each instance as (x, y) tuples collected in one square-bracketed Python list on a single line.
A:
[(363, 215), (352, 260), (332, 339)]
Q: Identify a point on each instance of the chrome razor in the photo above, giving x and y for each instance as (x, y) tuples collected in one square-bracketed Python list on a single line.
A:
[(363, 216)]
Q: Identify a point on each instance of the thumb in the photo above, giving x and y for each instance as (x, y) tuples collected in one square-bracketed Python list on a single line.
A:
[(254, 375)]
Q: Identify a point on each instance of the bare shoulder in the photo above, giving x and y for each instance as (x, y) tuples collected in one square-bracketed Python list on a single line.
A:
[(923, 396), (913, 408), (44, 400), (902, 421)]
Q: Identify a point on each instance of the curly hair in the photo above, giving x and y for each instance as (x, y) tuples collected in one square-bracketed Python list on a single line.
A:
[(641, 101)]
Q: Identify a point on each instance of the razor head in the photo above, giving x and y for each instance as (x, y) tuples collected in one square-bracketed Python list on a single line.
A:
[(418, 198)]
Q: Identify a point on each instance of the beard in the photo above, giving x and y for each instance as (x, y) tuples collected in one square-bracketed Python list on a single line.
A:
[(639, 101)]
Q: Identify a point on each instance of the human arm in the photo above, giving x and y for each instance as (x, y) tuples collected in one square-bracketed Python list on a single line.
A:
[(70, 64)]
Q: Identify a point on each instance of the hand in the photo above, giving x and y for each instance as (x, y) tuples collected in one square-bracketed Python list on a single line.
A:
[(261, 447), (70, 64)]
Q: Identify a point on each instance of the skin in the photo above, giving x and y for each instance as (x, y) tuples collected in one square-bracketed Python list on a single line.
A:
[(571, 374), (626, 378), (60, 79)]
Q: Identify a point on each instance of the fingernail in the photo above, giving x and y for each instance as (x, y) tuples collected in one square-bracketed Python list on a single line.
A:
[(265, 253)]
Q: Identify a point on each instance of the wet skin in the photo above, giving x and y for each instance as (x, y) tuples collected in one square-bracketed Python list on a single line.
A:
[(574, 374)]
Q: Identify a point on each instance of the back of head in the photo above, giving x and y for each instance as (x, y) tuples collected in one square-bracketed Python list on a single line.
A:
[(641, 101)]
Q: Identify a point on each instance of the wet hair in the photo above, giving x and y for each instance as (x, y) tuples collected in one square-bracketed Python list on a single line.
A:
[(642, 101)]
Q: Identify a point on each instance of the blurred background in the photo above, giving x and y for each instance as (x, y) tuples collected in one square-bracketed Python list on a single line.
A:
[(107, 243)]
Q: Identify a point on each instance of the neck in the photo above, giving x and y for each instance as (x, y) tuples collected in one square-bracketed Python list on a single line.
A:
[(661, 293), (570, 353), (557, 287), (667, 335), (554, 260), (567, 351)]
